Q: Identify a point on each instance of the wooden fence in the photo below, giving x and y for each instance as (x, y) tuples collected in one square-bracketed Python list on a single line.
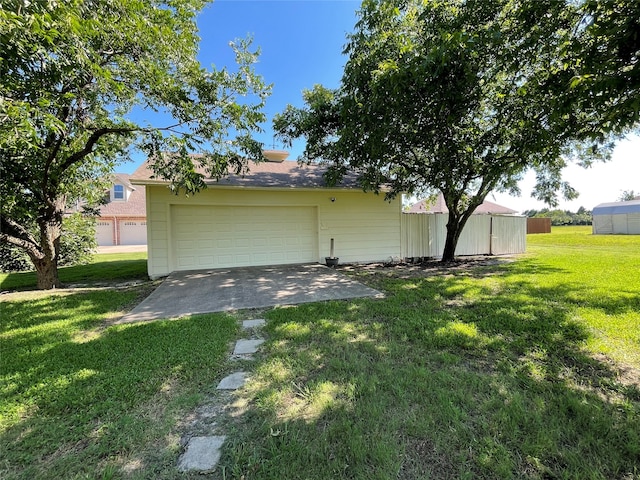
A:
[(538, 225)]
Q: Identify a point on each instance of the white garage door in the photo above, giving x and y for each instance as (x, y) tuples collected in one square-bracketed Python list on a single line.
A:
[(104, 232), (216, 236), (133, 232)]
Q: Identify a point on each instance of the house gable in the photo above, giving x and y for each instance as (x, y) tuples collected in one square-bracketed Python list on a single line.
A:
[(131, 202), (122, 220)]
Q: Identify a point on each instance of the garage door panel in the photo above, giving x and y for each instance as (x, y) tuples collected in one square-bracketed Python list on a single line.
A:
[(104, 232), (293, 242), (223, 243), (246, 230), (223, 259), (259, 242), (276, 242), (242, 243), (205, 227), (243, 259), (278, 258), (185, 261), (222, 236), (208, 243)]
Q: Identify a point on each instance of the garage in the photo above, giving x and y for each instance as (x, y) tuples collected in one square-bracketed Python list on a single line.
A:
[(133, 232), (104, 232), (275, 213), (211, 236)]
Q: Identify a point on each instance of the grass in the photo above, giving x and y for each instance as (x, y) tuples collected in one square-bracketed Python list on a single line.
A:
[(600, 274), (82, 399), (524, 369), (521, 370), (103, 268)]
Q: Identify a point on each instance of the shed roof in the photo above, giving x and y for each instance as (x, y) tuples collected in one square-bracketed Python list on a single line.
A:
[(285, 174), (439, 206), (617, 208)]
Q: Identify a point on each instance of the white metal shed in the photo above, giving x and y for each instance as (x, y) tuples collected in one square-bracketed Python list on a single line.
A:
[(617, 218)]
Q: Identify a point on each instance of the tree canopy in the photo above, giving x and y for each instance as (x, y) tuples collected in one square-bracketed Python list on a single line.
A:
[(72, 73), (627, 195), (465, 96)]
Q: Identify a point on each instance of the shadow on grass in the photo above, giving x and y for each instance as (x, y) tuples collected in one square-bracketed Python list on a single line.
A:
[(77, 396), (478, 374), (98, 272)]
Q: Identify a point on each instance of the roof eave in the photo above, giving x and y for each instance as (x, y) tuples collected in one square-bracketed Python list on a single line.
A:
[(213, 185)]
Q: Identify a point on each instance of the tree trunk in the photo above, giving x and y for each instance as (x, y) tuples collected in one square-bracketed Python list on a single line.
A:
[(50, 225), (47, 273), (453, 234)]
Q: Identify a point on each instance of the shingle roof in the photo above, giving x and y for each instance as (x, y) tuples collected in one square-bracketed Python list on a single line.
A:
[(439, 206), (123, 179), (286, 174), (134, 206)]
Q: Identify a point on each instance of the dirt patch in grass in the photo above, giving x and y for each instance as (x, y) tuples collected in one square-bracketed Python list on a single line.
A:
[(422, 460), (627, 375), (426, 267)]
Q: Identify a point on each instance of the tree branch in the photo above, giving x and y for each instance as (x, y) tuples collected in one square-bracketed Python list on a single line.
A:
[(17, 235), (93, 139)]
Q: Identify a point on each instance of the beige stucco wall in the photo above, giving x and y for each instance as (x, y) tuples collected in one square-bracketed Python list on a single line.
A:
[(365, 227)]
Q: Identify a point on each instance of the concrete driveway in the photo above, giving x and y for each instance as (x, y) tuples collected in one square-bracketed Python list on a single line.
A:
[(121, 249), (206, 291)]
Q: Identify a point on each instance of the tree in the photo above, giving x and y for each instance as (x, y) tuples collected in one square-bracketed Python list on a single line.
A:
[(72, 72), (582, 217), (600, 63), (77, 245), (562, 217), (627, 195), (461, 97)]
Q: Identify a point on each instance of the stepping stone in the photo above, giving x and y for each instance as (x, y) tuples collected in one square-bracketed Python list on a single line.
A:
[(257, 323), (233, 381), (202, 454), (244, 347)]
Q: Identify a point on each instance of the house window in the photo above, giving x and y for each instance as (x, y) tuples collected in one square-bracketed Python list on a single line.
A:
[(118, 192)]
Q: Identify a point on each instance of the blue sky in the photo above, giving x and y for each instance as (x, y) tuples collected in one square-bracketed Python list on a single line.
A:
[(301, 44), (300, 41)]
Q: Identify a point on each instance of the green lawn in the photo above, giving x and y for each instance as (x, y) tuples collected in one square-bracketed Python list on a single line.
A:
[(523, 369), (494, 372), (104, 268), (82, 399)]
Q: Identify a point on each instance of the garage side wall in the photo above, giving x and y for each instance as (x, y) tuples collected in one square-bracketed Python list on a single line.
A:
[(365, 228)]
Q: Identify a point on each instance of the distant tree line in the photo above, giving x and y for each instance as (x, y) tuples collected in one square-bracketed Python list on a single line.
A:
[(562, 217), (628, 195)]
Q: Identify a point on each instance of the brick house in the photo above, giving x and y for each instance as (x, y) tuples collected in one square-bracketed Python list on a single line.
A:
[(123, 220)]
